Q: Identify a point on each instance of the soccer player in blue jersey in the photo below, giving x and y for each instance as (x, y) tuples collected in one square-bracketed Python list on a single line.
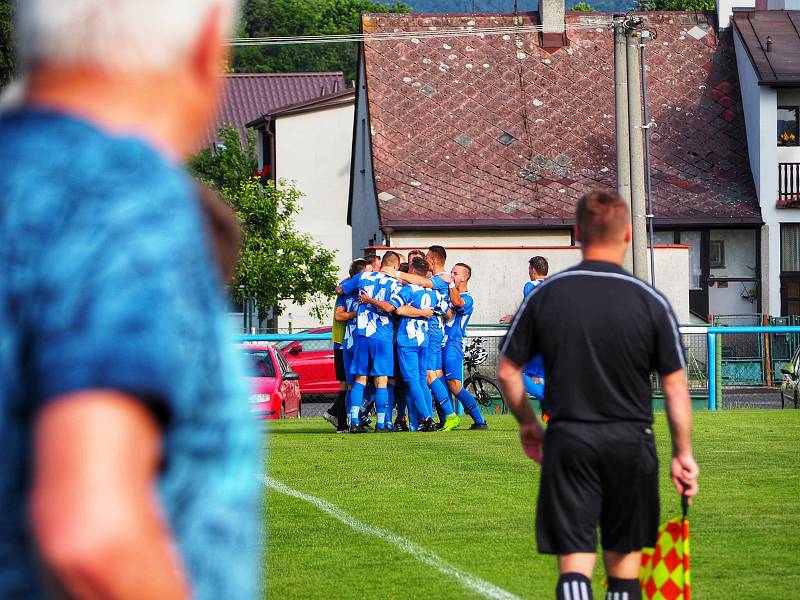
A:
[(440, 283), (346, 312), (413, 305), (533, 373), (461, 307), (374, 351)]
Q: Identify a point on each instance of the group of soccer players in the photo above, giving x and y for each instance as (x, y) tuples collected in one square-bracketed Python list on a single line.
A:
[(401, 347)]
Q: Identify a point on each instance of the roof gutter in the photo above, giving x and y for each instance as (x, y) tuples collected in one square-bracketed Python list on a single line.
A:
[(494, 224)]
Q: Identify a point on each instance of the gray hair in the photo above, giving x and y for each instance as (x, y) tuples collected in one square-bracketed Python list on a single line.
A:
[(112, 34)]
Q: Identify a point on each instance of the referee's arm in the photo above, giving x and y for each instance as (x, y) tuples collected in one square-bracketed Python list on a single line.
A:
[(517, 348)]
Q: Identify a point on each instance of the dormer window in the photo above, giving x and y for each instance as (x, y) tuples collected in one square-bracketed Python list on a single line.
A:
[(788, 133)]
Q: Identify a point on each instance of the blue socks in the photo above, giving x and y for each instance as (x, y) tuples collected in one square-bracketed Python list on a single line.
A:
[(381, 402), (470, 405), (389, 405), (356, 398), (442, 395)]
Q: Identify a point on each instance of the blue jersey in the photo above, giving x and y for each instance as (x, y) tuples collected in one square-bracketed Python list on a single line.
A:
[(350, 304), (371, 321), (535, 367), (440, 306), (456, 326), (413, 331)]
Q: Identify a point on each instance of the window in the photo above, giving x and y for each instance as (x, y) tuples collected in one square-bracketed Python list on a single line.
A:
[(716, 254), (790, 248), (788, 133), (260, 364)]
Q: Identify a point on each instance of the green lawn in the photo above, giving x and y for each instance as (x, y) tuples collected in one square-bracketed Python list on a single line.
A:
[(469, 497)]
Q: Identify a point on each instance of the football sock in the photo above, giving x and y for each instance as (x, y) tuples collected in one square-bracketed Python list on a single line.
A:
[(356, 397), (413, 415), (534, 388), (426, 394), (347, 406), (341, 409), (389, 404), (470, 405), (443, 403), (573, 586), (623, 589), (381, 401)]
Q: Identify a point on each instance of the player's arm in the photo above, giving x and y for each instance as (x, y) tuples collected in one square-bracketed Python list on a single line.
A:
[(414, 279), (417, 313), (342, 314), (96, 517), (531, 434), (455, 297), (349, 285), (383, 305), (679, 414)]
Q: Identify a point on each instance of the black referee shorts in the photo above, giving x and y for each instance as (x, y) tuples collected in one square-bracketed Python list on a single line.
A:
[(338, 364), (598, 474)]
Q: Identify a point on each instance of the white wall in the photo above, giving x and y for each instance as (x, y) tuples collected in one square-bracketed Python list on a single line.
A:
[(313, 149), (504, 237), (740, 253), (725, 10), (760, 105), (499, 274)]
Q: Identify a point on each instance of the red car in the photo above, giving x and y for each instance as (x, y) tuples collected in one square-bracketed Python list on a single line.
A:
[(274, 386), (313, 360)]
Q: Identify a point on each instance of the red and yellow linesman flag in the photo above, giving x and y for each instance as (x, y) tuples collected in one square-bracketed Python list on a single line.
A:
[(665, 574)]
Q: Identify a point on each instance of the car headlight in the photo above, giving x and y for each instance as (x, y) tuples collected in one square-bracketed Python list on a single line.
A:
[(260, 398)]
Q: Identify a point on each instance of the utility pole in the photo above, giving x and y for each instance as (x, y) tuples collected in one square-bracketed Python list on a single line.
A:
[(621, 118), (646, 114), (638, 209)]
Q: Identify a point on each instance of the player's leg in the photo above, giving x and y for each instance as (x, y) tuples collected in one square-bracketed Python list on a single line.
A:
[(623, 575), (444, 407), (454, 374), (382, 355), (391, 388), (358, 370), (410, 367)]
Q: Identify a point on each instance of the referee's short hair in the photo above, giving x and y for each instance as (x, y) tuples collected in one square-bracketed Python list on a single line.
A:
[(602, 217)]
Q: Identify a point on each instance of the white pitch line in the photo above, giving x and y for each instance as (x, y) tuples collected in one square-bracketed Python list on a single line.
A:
[(475, 584)]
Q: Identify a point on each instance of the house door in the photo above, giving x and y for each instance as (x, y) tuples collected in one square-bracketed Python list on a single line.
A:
[(790, 295)]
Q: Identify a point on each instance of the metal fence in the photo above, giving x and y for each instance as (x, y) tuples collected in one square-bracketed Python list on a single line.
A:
[(745, 365)]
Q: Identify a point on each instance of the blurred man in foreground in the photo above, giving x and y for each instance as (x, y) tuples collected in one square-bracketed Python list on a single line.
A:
[(129, 459)]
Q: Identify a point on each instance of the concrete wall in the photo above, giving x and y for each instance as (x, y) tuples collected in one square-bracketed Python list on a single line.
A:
[(313, 150), (740, 253), (504, 237), (499, 274), (760, 105)]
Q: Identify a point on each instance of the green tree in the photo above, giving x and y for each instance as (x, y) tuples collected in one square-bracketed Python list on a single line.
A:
[(268, 18), (582, 7), (6, 41), (278, 263), (681, 5)]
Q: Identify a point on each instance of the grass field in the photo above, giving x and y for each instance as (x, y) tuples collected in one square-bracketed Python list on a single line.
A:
[(469, 497)]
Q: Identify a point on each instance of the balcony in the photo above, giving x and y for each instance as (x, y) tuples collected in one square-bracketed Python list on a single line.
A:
[(788, 185)]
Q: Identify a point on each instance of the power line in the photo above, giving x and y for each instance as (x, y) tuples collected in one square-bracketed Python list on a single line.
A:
[(433, 33)]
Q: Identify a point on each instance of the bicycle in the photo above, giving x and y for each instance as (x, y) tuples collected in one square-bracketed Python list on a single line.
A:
[(485, 389)]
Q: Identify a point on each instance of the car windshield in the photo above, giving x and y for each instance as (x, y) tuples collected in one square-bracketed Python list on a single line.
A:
[(259, 364)]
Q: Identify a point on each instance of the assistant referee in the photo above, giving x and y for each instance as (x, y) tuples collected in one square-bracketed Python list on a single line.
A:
[(601, 332)]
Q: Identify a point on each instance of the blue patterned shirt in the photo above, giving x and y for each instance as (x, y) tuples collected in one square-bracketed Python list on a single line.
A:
[(109, 283)]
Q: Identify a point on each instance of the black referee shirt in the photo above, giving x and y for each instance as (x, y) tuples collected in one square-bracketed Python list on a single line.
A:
[(601, 332)]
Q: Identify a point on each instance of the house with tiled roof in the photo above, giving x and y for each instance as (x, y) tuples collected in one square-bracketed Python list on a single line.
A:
[(489, 140), (768, 55), (247, 96)]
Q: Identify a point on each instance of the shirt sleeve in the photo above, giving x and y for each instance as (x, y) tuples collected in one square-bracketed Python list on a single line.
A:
[(349, 286), (400, 297), (469, 305), (341, 301), (670, 353), (527, 289), (520, 344)]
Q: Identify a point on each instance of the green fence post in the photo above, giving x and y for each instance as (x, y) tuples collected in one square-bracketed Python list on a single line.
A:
[(718, 374)]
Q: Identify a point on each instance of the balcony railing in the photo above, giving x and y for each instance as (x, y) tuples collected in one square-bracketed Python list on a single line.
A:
[(789, 184)]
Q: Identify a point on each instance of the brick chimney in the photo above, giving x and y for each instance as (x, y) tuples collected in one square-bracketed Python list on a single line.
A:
[(551, 15)]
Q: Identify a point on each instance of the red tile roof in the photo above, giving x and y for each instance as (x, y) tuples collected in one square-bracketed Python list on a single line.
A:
[(248, 96), (481, 131)]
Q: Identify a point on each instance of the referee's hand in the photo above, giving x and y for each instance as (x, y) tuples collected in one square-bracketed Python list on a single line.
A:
[(532, 437), (684, 474)]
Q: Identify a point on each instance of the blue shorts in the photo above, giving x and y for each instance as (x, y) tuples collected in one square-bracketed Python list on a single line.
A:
[(373, 357), (347, 355), (433, 355), (411, 360), (453, 355)]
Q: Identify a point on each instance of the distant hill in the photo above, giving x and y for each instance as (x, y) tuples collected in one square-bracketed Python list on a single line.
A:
[(506, 6)]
